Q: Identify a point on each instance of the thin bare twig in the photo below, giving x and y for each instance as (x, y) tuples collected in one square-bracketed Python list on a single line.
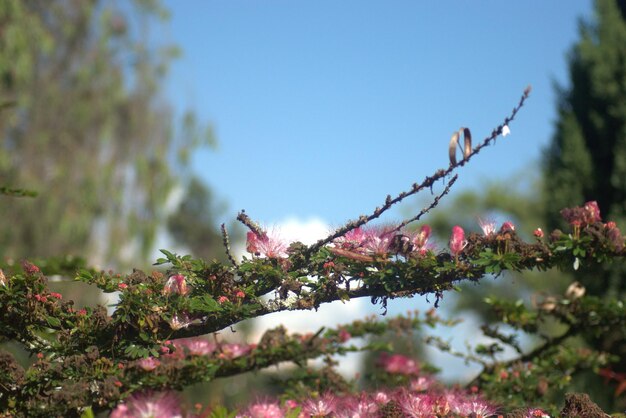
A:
[(226, 241), (429, 207), (426, 183), (253, 226)]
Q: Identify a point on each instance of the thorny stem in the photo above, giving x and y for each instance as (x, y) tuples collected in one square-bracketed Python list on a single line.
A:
[(226, 241), (426, 183), (253, 226), (428, 208)]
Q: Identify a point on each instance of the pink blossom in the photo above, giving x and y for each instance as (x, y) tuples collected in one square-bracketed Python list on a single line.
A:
[(371, 241), (222, 299), (56, 295), (488, 226), (122, 286), (30, 268), (196, 346), (231, 351), (344, 335), (176, 284), (420, 240), (582, 216), (615, 236), (240, 294), (265, 245), (352, 239), (475, 406), (264, 410), (457, 240), (319, 407), (416, 405), (538, 233), (398, 364), (378, 240), (422, 383), (149, 364), (149, 405), (592, 212), (357, 407), (180, 321), (291, 404), (507, 227), (536, 412), (382, 397)]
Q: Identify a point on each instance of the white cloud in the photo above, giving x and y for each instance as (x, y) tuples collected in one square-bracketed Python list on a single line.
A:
[(328, 315)]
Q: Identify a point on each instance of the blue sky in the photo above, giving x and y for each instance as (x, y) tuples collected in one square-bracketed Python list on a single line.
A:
[(321, 108)]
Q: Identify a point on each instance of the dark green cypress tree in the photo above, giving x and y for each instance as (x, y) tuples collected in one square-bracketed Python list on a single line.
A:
[(587, 157)]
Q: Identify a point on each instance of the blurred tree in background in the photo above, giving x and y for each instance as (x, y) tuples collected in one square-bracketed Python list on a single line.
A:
[(89, 130), (587, 156), (585, 160)]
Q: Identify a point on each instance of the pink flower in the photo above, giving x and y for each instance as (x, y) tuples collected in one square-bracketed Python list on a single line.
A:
[(536, 412), (371, 241), (149, 405), (149, 364), (488, 226), (507, 227), (320, 407), (196, 346), (231, 351), (30, 268), (344, 335), (264, 410), (180, 321), (122, 286), (222, 299), (538, 233), (615, 236), (582, 216), (354, 238), (265, 245), (240, 294), (416, 405), (378, 240), (291, 404), (592, 212), (457, 240), (56, 295), (421, 384), (398, 364), (357, 407), (420, 240), (176, 284), (382, 397), (474, 406)]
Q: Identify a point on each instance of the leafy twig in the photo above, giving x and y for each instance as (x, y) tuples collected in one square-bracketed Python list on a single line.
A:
[(226, 241)]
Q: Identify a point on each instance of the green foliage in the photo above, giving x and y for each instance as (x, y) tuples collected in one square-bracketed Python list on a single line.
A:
[(87, 129), (195, 298)]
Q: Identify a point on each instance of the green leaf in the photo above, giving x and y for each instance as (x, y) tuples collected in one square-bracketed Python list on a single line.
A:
[(87, 413), (17, 192), (204, 303), (53, 322)]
